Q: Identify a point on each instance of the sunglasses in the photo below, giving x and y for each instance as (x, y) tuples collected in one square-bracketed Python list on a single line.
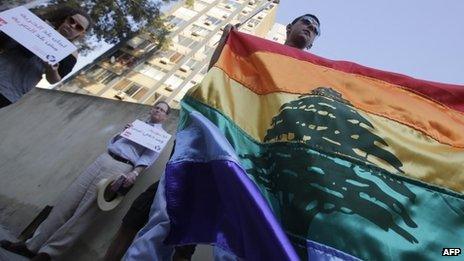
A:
[(75, 24)]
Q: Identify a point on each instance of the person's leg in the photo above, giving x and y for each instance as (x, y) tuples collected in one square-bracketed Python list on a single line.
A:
[(68, 233), (133, 221), (85, 213), (65, 208)]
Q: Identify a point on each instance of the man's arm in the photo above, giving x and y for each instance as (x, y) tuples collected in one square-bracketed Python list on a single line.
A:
[(132, 175), (147, 158), (55, 73), (221, 44), (51, 73)]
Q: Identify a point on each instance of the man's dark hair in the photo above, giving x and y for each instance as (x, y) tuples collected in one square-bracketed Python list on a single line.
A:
[(169, 107), (56, 15), (310, 15)]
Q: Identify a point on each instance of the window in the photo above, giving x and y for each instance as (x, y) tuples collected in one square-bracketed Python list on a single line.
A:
[(176, 57), (185, 13), (185, 41), (103, 76), (242, 17), (192, 63), (121, 85), (231, 5), (174, 21), (168, 53), (142, 91), (204, 70), (218, 12), (209, 50), (132, 89), (214, 41), (126, 87), (150, 71), (146, 46), (199, 31), (211, 21), (253, 23), (199, 6), (95, 71)]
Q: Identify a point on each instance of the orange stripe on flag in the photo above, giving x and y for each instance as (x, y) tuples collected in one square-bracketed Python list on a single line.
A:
[(265, 73), (449, 94)]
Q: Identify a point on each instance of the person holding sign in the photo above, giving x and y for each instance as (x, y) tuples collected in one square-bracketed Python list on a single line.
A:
[(119, 167), (20, 68)]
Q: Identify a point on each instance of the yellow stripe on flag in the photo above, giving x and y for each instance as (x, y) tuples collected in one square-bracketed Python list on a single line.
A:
[(423, 157)]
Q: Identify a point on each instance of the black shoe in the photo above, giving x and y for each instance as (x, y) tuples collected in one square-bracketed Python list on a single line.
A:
[(18, 248), (41, 257)]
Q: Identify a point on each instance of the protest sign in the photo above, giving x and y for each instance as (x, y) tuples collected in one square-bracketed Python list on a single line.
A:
[(35, 34), (146, 135)]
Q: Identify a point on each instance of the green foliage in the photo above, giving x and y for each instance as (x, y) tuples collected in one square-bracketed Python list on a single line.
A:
[(7, 4), (165, 44), (189, 3), (121, 19)]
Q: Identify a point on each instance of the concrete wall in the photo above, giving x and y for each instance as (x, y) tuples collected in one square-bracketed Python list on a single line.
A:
[(47, 139)]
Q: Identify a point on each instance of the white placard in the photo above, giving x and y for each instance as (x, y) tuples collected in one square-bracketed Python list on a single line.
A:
[(35, 35), (150, 137)]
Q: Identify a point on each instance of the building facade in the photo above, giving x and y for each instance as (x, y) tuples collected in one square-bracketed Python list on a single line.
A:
[(138, 72)]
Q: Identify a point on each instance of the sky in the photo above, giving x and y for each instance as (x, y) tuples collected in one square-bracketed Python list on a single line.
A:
[(420, 38)]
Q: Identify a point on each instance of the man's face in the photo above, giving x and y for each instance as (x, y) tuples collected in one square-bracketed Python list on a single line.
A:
[(302, 34), (159, 113), (74, 26)]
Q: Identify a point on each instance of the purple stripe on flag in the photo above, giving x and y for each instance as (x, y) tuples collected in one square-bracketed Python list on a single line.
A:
[(216, 202)]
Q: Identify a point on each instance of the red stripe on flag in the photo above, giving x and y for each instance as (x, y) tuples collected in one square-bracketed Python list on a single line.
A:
[(448, 94)]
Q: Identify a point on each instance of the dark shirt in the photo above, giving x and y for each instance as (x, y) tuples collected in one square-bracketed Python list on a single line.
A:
[(21, 70)]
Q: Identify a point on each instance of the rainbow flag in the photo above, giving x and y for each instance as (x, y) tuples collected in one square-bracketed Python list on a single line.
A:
[(284, 155)]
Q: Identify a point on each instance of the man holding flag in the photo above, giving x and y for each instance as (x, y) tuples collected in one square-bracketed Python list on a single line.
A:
[(285, 155), (301, 33)]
